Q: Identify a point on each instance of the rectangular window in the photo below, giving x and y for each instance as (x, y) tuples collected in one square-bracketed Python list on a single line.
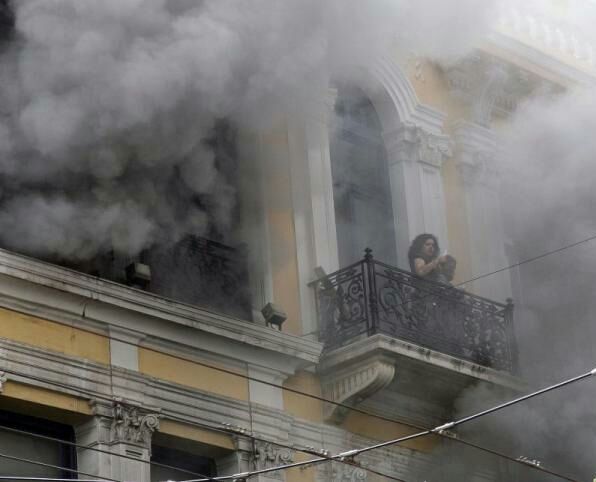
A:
[(24, 445), (188, 462)]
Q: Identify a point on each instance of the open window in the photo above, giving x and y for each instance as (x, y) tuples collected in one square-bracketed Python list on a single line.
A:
[(205, 267), (361, 189), (25, 446)]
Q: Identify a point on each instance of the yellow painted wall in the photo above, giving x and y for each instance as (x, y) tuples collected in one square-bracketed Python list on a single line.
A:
[(274, 150), (299, 405), (189, 432), (301, 474), (382, 430), (43, 403), (53, 336), (432, 89), (192, 375), (457, 223)]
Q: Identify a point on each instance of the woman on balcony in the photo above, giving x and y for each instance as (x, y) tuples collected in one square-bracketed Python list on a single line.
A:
[(425, 260)]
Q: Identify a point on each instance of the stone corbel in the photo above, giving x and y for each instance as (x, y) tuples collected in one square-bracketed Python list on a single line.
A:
[(355, 382), (412, 143)]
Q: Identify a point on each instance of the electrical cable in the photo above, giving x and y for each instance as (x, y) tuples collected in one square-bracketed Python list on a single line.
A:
[(486, 275), (274, 385), (51, 466), (350, 454), (182, 420), (364, 412), (298, 392), (95, 449)]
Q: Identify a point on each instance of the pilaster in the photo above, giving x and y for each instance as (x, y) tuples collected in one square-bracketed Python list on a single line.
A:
[(477, 163), (122, 429), (416, 156)]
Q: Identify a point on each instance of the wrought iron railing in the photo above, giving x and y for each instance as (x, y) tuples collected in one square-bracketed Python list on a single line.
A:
[(371, 297), (203, 272)]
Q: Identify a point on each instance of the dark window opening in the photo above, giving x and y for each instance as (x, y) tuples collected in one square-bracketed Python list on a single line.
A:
[(206, 268), (7, 20), (183, 460), (361, 190), (34, 448)]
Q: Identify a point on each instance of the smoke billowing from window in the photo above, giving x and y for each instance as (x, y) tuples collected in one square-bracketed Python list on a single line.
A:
[(108, 109), (107, 104)]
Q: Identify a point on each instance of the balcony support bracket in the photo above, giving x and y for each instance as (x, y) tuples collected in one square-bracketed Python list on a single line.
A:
[(353, 383)]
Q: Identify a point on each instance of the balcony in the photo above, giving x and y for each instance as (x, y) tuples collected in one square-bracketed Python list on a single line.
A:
[(196, 271), (370, 297), (377, 320)]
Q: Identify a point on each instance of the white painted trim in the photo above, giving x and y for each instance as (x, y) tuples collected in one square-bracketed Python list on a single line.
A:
[(43, 287)]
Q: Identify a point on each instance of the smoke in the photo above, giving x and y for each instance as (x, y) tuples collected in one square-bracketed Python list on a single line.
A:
[(549, 201), (109, 107)]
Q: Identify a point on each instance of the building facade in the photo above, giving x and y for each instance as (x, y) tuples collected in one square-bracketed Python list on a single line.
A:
[(144, 378)]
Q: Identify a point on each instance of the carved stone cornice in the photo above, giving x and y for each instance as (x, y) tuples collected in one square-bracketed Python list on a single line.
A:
[(267, 455), (411, 143), (354, 382), (128, 423)]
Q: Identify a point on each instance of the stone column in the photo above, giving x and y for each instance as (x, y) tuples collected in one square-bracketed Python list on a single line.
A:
[(415, 156), (122, 429), (476, 149)]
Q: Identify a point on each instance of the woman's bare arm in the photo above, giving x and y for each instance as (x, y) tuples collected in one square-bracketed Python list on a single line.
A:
[(422, 268)]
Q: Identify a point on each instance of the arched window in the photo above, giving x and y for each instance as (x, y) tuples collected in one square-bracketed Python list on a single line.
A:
[(361, 190)]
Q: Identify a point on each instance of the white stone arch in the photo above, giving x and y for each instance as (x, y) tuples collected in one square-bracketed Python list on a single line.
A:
[(416, 148)]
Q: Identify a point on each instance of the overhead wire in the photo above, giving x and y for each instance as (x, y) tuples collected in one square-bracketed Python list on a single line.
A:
[(491, 273), (265, 382), (351, 454), (94, 449), (51, 466), (295, 447), (323, 399), (298, 392)]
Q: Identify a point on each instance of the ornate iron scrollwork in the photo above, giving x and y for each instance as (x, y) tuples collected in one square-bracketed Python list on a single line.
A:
[(372, 297)]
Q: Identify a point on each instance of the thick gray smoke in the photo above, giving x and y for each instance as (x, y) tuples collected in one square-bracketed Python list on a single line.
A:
[(109, 107), (549, 201)]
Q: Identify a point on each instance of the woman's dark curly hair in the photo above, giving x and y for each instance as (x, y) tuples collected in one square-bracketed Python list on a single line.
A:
[(415, 250)]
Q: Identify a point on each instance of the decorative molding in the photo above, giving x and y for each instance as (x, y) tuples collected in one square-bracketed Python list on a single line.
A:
[(547, 33), (3, 379), (337, 472), (491, 87), (354, 382), (126, 422), (48, 288), (410, 143), (401, 96), (267, 455), (131, 424)]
